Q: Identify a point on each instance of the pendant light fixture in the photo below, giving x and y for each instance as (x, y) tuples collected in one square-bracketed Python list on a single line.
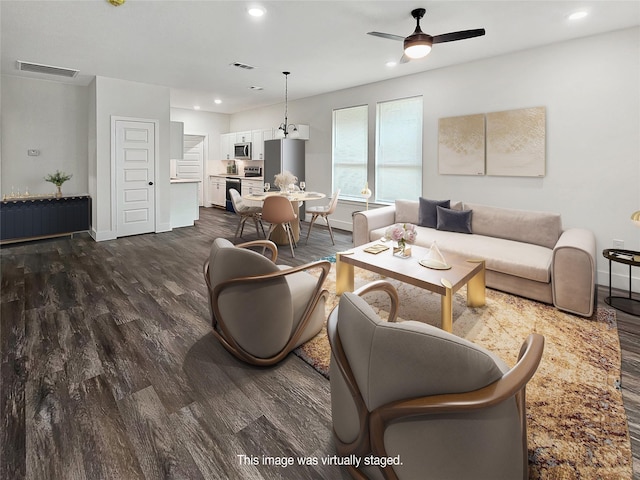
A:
[(286, 129)]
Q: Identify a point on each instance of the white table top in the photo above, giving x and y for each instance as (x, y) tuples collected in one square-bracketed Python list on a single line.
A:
[(297, 196)]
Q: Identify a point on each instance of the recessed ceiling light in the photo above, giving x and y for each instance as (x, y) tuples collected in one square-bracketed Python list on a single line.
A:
[(391, 63), (217, 101), (256, 11), (578, 15), (196, 107)]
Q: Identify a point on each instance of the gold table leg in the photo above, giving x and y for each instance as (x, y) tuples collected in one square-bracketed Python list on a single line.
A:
[(476, 287), (344, 276), (446, 307)]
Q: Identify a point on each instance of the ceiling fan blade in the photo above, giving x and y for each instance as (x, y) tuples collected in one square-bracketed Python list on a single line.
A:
[(387, 36), (461, 35)]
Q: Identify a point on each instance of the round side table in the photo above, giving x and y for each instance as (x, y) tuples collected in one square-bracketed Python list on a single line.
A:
[(627, 304)]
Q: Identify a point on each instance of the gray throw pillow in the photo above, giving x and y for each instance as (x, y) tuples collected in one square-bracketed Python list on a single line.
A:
[(427, 214), (454, 221)]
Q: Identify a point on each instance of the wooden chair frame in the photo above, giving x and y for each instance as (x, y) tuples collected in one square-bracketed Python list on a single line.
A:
[(220, 329), (257, 220), (370, 438)]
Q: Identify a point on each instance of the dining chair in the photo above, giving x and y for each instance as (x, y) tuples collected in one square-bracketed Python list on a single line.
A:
[(277, 210), (323, 211), (245, 212)]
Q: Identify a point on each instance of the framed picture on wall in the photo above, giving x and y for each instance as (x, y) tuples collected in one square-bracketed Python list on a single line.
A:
[(461, 143), (516, 142)]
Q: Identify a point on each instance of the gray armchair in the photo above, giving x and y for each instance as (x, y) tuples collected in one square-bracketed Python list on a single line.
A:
[(447, 407), (261, 311)]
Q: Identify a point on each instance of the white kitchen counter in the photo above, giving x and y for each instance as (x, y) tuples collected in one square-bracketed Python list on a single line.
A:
[(184, 202), (184, 180)]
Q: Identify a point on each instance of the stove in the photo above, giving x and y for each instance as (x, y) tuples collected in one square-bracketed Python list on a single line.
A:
[(251, 171)]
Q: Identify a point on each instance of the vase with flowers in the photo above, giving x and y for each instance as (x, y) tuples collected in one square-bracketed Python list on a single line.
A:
[(402, 234), (58, 179), (285, 181)]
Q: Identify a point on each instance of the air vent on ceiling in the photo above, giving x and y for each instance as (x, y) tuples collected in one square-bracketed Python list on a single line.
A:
[(48, 69), (242, 65)]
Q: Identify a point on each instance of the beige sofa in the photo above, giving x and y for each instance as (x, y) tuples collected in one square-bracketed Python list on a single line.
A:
[(527, 253)]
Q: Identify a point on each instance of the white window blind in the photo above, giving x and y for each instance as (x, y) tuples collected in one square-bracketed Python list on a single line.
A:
[(398, 170), (349, 152)]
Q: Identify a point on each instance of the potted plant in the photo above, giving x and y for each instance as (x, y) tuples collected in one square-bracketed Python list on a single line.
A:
[(58, 179)]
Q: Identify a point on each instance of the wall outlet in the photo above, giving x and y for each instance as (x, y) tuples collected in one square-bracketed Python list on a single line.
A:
[(33, 152), (618, 243)]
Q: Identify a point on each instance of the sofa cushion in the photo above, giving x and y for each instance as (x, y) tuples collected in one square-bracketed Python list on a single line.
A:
[(454, 221), (538, 228), (427, 213), (407, 211)]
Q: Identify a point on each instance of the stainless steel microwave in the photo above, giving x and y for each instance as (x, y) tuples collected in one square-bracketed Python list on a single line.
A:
[(242, 151)]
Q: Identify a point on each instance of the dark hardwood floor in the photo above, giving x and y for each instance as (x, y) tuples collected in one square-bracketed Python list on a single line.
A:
[(109, 369)]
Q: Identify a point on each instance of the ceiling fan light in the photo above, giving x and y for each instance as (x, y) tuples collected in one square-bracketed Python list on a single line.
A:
[(418, 45), (417, 51)]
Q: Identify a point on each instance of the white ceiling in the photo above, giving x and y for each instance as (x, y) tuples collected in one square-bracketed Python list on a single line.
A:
[(189, 45)]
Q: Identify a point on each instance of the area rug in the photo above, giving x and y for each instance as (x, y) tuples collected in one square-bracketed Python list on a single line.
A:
[(577, 426)]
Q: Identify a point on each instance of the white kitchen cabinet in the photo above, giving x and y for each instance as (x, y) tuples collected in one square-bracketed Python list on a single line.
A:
[(176, 140), (243, 137), (252, 186), (257, 145), (227, 141), (184, 203), (249, 187), (303, 130), (217, 191)]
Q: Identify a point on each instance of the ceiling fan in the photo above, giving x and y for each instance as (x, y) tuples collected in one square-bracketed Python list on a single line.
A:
[(418, 44)]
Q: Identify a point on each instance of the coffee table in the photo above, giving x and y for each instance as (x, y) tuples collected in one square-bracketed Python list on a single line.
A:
[(463, 271)]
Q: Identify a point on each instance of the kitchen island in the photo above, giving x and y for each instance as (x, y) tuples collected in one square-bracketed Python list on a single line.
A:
[(184, 202)]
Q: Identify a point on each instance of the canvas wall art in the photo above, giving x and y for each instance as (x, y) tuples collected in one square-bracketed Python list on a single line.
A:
[(516, 142), (461, 145)]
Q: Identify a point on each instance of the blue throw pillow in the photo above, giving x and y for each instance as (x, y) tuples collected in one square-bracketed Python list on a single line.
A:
[(453, 220), (427, 214)]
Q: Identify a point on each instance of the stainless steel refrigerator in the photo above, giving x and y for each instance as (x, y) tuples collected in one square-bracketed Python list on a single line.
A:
[(284, 154)]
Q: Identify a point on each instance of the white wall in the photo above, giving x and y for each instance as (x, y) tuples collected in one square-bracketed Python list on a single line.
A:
[(71, 126), (121, 98), (50, 117), (590, 90)]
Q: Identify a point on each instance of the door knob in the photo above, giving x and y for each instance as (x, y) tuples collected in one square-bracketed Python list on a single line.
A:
[(150, 183)]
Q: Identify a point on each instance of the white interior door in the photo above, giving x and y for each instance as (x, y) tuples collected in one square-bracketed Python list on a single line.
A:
[(192, 164), (135, 177)]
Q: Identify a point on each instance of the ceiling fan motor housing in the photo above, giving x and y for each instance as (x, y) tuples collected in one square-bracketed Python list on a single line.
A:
[(418, 44)]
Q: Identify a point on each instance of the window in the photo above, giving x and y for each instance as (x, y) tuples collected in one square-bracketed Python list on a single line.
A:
[(398, 165), (349, 152)]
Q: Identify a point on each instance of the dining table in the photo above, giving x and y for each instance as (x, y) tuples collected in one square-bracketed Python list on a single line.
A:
[(279, 236)]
